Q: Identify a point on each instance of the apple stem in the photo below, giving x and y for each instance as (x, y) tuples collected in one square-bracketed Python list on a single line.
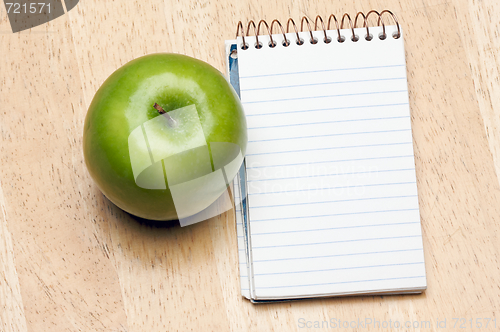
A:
[(160, 110)]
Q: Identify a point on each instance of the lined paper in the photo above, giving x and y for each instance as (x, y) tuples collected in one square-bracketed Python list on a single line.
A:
[(332, 196), (242, 257)]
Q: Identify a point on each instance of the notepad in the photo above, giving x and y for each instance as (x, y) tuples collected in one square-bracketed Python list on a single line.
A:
[(326, 201)]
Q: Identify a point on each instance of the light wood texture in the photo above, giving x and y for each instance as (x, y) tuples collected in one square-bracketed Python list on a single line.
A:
[(71, 261)]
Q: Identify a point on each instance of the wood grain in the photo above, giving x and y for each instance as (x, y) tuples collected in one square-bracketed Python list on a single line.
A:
[(72, 261), (11, 302)]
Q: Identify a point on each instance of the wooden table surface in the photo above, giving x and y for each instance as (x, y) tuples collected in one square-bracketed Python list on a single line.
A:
[(72, 261)]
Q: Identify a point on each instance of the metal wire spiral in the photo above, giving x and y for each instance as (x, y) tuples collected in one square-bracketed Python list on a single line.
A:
[(318, 23)]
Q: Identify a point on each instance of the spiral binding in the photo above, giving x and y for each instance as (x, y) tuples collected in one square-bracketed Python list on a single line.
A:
[(327, 39)]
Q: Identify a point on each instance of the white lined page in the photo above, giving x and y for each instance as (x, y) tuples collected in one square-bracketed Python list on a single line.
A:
[(332, 193), (242, 258)]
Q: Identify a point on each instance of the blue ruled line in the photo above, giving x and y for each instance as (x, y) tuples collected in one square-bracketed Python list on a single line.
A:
[(329, 135), (325, 122), (330, 161), (342, 282), (328, 96), (335, 215), (334, 174), (320, 149), (327, 188), (329, 109), (340, 268), (342, 241), (338, 201), (331, 228), (340, 255), (320, 71), (324, 83)]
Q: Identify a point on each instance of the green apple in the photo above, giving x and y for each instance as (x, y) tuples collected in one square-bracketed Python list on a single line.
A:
[(158, 133)]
